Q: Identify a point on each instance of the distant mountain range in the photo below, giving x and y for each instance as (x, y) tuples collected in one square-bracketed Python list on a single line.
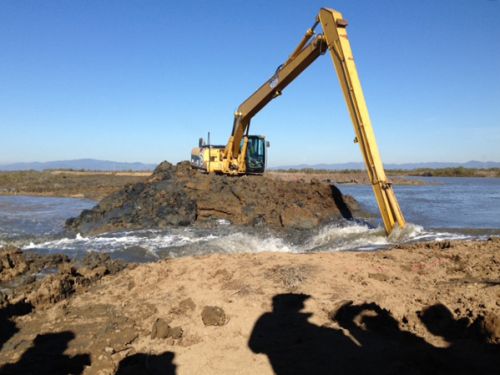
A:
[(106, 165), (434, 165), (79, 164)]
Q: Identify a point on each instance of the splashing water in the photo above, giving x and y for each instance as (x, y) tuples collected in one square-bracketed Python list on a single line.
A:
[(37, 224), (146, 245)]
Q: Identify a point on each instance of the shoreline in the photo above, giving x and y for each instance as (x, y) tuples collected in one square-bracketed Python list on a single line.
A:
[(98, 185)]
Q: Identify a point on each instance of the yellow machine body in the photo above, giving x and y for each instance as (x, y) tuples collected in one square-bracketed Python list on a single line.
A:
[(232, 158)]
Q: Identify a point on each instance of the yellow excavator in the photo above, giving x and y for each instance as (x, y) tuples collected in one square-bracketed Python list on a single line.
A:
[(246, 154)]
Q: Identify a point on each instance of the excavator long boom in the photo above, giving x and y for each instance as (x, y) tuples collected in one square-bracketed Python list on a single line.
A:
[(304, 55), (334, 39), (335, 33)]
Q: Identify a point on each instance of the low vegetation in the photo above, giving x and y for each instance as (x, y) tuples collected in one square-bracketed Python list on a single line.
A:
[(91, 185), (421, 172), (453, 172)]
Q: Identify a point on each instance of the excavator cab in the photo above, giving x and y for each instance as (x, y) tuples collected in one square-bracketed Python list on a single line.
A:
[(256, 154)]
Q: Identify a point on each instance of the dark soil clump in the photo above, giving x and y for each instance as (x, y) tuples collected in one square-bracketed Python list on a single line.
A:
[(213, 316), (181, 196), (42, 280)]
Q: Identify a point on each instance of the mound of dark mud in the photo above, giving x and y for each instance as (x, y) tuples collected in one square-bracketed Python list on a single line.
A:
[(179, 195), (42, 280)]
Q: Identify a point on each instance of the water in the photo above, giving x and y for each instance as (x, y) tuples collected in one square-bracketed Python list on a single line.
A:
[(447, 208), (23, 217), (459, 204)]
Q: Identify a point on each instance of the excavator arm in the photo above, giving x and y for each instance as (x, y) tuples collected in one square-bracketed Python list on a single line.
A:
[(334, 39), (335, 34), (304, 55)]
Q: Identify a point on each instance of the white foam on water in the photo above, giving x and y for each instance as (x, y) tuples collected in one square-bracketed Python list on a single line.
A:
[(249, 243), (363, 237), (190, 241), (356, 236), (110, 243)]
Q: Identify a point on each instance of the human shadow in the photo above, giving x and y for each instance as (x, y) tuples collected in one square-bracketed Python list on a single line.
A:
[(147, 364), (369, 340), (46, 356), (7, 327), (293, 344), (469, 341), (338, 198)]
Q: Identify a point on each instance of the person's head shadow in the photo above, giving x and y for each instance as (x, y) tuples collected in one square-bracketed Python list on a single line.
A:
[(47, 356), (151, 364), (440, 321), (289, 303), (292, 343)]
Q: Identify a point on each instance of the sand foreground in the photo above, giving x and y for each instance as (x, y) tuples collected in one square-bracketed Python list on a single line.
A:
[(426, 308)]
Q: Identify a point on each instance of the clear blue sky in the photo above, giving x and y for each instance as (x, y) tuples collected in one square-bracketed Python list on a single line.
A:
[(143, 80)]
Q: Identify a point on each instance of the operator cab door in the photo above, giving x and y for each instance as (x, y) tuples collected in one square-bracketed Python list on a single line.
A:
[(256, 154)]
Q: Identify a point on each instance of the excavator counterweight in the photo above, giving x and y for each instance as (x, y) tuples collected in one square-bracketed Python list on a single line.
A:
[(246, 154)]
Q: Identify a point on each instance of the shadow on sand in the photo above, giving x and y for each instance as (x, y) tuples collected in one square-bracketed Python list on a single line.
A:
[(369, 341), (46, 356), (7, 327), (149, 364)]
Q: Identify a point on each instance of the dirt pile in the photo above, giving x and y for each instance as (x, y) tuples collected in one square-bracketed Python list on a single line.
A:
[(40, 281), (20, 267), (179, 195)]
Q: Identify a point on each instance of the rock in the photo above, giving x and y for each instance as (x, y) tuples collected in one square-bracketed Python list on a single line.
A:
[(67, 268), (53, 289), (179, 195), (57, 287), (120, 339), (12, 263), (213, 316), (94, 273), (162, 330), (106, 265), (176, 332)]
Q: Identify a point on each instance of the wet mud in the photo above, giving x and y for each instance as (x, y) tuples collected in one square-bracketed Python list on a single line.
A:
[(180, 196)]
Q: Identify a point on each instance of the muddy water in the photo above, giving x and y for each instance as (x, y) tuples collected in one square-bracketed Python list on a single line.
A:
[(450, 208)]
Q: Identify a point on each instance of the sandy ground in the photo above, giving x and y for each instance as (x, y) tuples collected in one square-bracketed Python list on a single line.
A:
[(426, 308)]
